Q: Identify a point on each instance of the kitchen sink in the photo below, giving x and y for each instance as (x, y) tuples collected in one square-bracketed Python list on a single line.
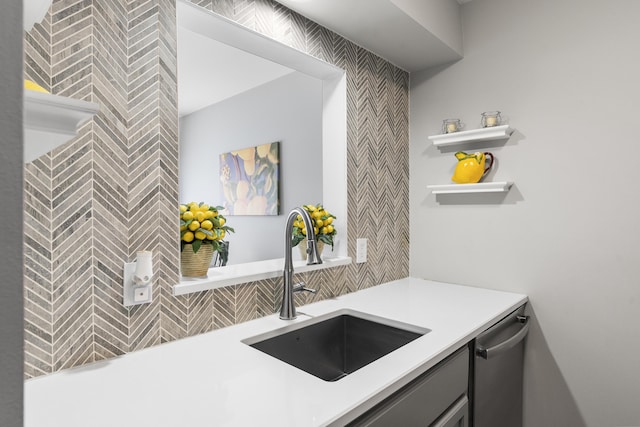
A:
[(336, 344)]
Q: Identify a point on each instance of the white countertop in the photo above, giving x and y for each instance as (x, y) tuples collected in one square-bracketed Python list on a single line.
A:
[(214, 379)]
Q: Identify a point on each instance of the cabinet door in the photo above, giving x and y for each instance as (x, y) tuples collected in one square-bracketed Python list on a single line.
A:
[(423, 401), (456, 416)]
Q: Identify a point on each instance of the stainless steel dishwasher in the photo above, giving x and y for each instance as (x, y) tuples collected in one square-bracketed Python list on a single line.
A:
[(496, 389)]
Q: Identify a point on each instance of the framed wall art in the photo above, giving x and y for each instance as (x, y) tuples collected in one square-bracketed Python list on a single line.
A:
[(250, 180)]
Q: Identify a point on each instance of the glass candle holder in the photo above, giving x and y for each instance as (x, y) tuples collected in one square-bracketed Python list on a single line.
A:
[(491, 118), (451, 125)]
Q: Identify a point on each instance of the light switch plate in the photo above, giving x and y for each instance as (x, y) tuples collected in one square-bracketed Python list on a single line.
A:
[(361, 250)]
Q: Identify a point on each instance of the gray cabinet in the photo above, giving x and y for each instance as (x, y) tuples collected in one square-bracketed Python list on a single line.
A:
[(438, 398), (456, 416)]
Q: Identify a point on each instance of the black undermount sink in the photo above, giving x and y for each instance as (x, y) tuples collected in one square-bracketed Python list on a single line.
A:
[(334, 345)]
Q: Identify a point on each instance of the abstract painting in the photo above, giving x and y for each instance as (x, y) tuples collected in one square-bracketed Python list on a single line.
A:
[(250, 180)]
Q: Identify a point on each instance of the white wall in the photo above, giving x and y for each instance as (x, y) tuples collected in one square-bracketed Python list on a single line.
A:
[(11, 165), (566, 74), (289, 110), (440, 17)]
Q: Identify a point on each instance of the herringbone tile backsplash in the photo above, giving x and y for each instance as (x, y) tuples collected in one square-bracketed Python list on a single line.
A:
[(113, 190)]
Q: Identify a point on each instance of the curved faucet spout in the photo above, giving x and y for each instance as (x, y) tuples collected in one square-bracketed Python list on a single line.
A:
[(288, 309)]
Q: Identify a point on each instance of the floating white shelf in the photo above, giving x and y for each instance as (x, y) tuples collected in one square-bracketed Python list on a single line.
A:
[(482, 134), (481, 187), (51, 120)]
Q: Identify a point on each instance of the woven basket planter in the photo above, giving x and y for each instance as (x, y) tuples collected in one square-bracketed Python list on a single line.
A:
[(195, 265)]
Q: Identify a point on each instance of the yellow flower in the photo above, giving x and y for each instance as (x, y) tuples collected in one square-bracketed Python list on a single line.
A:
[(321, 219), (198, 226)]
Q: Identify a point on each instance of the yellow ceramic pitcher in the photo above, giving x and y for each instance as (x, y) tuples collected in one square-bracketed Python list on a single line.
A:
[(30, 85), (471, 167)]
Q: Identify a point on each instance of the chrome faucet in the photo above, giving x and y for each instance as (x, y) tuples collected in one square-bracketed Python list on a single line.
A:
[(288, 309)]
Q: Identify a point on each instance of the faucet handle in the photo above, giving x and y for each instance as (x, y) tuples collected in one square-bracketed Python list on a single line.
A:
[(300, 287), (313, 255)]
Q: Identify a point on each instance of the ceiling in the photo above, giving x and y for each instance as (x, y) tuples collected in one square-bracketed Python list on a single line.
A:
[(412, 34), (393, 29)]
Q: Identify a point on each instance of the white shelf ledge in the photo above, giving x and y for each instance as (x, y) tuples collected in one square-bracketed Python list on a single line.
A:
[(51, 120), (220, 277), (481, 187), (482, 134)]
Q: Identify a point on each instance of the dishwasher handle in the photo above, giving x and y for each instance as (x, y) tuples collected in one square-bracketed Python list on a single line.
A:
[(508, 344)]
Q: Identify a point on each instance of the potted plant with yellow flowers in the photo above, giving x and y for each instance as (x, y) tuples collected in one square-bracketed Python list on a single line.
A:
[(202, 230), (322, 226)]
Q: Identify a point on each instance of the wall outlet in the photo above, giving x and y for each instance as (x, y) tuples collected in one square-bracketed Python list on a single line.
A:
[(142, 294), (134, 294), (361, 250)]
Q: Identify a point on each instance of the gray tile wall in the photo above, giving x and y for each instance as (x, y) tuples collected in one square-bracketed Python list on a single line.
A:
[(93, 203)]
